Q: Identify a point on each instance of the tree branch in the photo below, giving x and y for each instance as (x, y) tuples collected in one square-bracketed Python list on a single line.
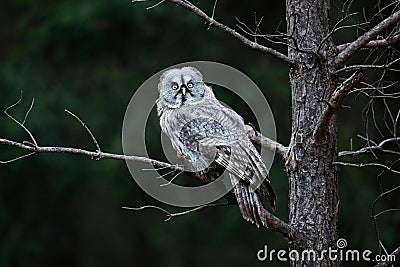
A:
[(22, 125), (280, 226), (33, 148), (361, 165), (212, 22), (86, 128), (366, 38), (387, 66), (391, 40), (171, 215), (373, 148), (333, 105), (274, 222), (265, 142), (36, 149)]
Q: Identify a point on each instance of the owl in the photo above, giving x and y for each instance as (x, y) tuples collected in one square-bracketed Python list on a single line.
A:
[(211, 138)]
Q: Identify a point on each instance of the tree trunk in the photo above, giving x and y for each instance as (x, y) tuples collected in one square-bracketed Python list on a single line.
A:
[(313, 199)]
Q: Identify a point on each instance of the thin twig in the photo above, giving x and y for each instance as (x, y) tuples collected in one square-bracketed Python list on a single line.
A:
[(391, 40), (365, 38), (29, 111), (211, 21), (334, 29), (86, 128), (273, 222), (371, 66), (369, 149), (26, 115), (155, 5), (171, 215), (171, 181), (212, 14), (360, 165), (385, 211), (15, 159)]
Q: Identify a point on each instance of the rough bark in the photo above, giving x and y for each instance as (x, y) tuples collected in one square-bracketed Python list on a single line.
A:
[(313, 197)]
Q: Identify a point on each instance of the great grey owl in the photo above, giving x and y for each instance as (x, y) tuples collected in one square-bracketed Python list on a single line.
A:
[(209, 136)]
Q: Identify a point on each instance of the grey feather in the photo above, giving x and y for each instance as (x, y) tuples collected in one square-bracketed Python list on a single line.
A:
[(208, 133)]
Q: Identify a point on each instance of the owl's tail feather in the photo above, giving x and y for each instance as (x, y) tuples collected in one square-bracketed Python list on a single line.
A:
[(260, 174), (266, 190), (250, 205)]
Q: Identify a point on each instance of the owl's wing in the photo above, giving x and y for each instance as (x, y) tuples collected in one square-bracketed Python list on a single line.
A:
[(246, 164), (207, 138), (249, 176), (206, 141)]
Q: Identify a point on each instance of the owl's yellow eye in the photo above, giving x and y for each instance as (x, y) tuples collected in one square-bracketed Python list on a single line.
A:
[(174, 86), (190, 85)]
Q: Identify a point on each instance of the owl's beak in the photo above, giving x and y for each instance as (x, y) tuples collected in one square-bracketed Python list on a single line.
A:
[(183, 90)]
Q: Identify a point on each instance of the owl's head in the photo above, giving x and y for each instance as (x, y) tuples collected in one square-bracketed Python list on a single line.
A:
[(179, 87)]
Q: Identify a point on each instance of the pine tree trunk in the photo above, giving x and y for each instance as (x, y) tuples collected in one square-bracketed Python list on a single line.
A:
[(313, 199)]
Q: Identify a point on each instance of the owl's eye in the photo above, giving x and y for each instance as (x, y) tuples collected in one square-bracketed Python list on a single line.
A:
[(190, 85), (174, 86)]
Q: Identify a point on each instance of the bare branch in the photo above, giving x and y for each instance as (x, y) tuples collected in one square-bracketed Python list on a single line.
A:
[(278, 38), (86, 128), (372, 66), (353, 47), (370, 149), (386, 211), (29, 111), (171, 215), (336, 28), (17, 158), (153, 6), (333, 105), (26, 116), (87, 153), (361, 165), (98, 154), (213, 11), (280, 226), (274, 222), (265, 142), (211, 21), (388, 41)]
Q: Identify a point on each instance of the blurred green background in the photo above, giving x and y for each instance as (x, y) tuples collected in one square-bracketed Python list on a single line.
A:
[(89, 57)]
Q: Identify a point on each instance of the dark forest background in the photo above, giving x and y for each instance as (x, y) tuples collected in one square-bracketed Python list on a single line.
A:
[(89, 57)]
